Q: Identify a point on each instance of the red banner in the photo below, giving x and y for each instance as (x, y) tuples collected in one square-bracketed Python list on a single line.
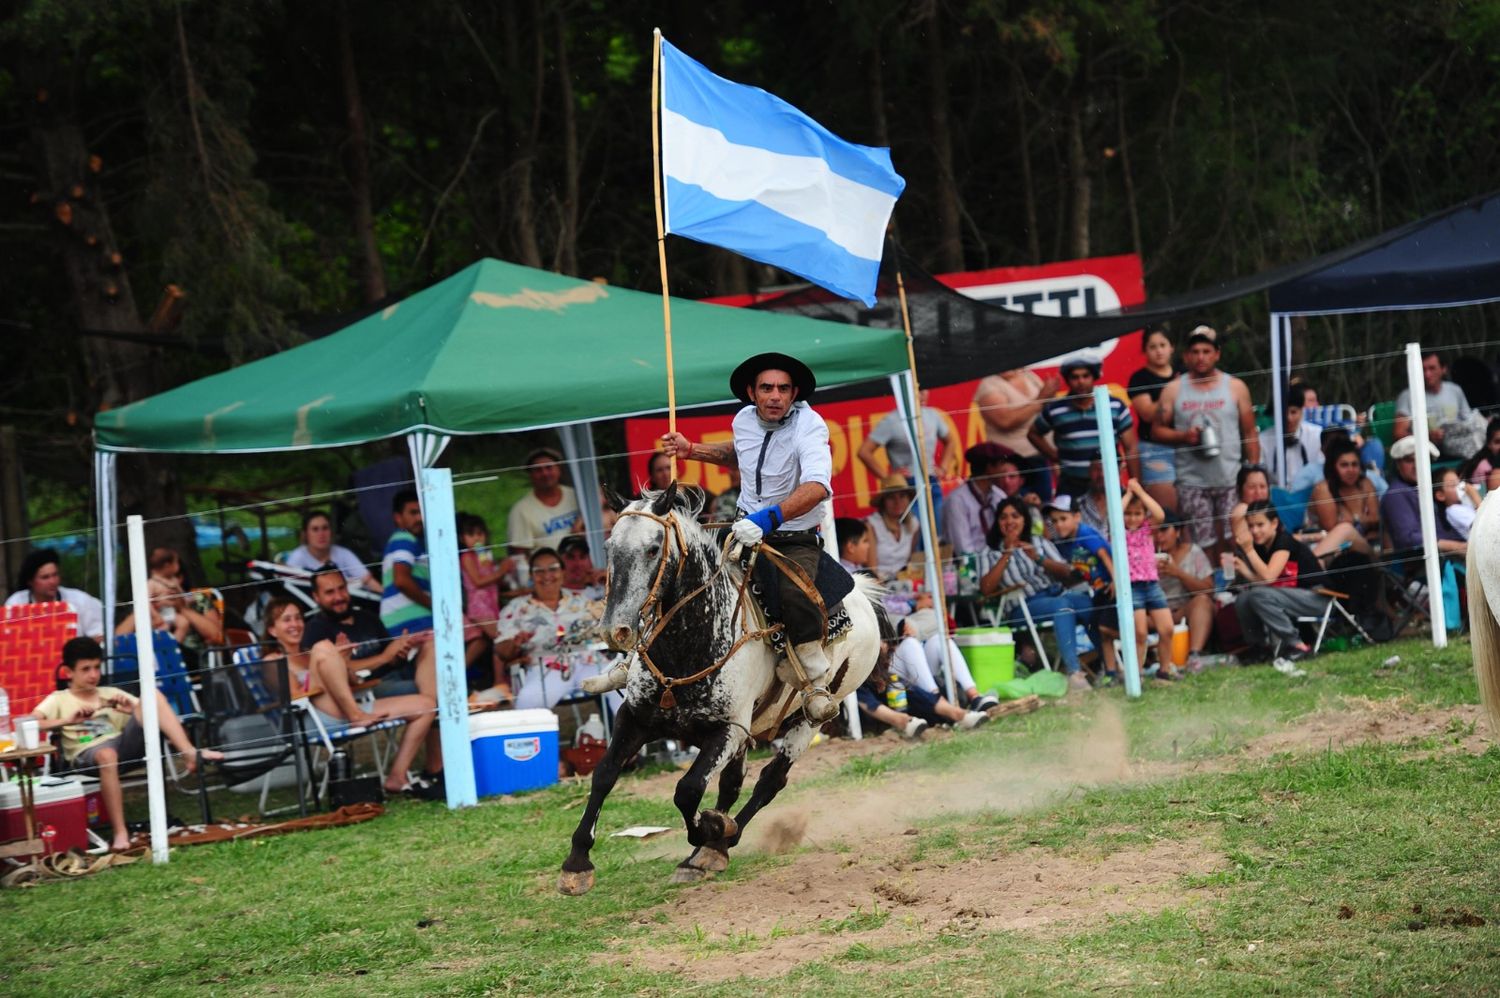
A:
[(1073, 287)]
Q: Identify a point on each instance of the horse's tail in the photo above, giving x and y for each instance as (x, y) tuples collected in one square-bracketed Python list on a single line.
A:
[(870, 588), (1484, 630)]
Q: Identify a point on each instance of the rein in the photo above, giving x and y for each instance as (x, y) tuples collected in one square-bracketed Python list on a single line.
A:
[(671, 530)]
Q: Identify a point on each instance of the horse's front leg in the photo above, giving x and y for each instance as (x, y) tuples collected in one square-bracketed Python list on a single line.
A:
[(577, 875), (709, 831)]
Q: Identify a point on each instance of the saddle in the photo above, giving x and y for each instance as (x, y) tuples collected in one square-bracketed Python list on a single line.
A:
[(833, 583)]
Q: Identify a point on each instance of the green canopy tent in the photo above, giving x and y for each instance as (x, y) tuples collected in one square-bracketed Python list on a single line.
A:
[(494, 348)]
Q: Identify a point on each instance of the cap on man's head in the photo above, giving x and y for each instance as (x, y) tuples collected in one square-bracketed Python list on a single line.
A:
[(1080, 362), (743, 378), (1062, 502), (986, 454), (1204, 334), (1407, 447), (573, 542), (541, 452)]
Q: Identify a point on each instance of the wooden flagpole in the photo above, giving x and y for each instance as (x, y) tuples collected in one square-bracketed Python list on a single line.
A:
[(661, 233), (924, 480)]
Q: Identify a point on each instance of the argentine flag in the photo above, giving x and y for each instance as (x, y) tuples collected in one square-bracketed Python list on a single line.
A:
[(747, 171)]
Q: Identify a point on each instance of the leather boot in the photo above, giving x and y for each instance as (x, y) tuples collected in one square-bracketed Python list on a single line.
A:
[(817, 702)]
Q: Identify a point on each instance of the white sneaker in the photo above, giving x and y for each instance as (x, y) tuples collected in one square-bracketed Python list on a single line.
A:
[(972, 720), (914, 729)]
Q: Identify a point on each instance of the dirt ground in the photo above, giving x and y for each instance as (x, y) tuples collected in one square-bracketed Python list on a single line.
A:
[(850, 883)]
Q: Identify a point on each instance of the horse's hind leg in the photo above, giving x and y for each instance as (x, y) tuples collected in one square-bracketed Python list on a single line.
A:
[(577, 875), (773, 776), (709, 831)]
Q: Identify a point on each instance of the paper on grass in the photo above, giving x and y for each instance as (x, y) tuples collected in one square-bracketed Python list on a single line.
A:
[(639, 832)]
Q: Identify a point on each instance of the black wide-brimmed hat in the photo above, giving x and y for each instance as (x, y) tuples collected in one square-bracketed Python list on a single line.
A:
[(743, 377)]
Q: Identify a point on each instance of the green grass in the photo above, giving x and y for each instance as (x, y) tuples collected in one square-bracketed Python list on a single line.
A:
[(1347, 869)]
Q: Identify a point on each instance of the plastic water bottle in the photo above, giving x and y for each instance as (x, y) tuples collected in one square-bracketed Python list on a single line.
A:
[(895, 692), (592, 728), (7, 740)]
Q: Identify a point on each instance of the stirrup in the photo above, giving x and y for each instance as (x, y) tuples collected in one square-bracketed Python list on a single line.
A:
[(607, 682), (819, 705)]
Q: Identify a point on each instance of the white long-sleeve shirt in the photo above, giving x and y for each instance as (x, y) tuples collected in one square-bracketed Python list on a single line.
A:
[(775, 458)]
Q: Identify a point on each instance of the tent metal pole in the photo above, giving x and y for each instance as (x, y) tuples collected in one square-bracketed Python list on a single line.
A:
[(1278, 405), (106, 498), (907, 403), (578, 448), (1418, 392), (1119, 549), (441, 530)]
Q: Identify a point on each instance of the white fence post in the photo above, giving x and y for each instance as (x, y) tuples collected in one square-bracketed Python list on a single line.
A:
[(1418, 392), (1119, 550), (145, 650), (448, 635)]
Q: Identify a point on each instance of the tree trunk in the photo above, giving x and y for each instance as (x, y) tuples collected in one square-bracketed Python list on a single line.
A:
[(1131, 207), (1081, 182), (103, 301), (357, 167), (565, 259), (950, 247), (1028, 182), (523, 199)]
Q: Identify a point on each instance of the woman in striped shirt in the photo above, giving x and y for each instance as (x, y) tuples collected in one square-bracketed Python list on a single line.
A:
[(1016, 561)]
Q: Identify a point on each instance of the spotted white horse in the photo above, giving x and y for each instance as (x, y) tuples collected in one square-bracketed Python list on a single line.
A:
[(702, 674), (1484, 604)]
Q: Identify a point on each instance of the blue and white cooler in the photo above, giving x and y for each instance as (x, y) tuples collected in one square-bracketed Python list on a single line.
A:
[(513, 750)]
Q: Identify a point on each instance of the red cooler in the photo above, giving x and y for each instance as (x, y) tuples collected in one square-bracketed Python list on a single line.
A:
[(59, 803)]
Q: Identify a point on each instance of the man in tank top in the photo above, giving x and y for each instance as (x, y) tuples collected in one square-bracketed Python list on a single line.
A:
[(1206, 414)]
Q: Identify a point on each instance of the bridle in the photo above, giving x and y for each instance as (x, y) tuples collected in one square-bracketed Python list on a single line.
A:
[(652, 629)]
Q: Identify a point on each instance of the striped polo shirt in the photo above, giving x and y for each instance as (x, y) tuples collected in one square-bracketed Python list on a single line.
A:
[(397, 612), (1075, 433)]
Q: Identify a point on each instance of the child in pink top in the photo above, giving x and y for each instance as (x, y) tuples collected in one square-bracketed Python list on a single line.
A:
[(1142, 514)]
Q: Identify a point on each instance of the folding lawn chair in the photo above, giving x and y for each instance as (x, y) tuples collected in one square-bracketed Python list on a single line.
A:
[(1322, 620)]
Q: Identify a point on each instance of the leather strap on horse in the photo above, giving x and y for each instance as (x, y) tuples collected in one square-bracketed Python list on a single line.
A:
[(673, 530)]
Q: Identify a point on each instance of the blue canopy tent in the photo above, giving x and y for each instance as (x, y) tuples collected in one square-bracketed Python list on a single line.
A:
[(1448, 259)]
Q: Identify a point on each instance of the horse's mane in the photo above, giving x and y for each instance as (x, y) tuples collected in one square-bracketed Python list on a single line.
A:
[(687, 502)]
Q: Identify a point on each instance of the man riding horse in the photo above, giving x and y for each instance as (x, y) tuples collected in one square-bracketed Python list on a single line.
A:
[(781, 449)]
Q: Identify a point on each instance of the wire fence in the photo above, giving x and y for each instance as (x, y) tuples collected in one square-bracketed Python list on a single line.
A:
[(1325, 507)]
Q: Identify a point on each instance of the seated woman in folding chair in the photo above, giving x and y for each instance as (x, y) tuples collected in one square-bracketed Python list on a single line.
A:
[(1034, 568), (321, 675), (1279, 575), (550, 636)]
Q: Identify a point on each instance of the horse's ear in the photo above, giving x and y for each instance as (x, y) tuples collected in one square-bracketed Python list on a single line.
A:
[(663, 504), (616, 501)]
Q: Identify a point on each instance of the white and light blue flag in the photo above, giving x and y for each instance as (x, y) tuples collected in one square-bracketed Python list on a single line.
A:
[(749, 172)]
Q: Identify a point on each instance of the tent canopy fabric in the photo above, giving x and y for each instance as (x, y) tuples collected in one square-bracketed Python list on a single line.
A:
[(494, 348), (1450, 258)]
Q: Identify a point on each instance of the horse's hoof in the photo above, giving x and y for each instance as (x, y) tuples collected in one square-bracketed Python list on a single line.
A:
[(575, 884), (689, 875), (710, 860)]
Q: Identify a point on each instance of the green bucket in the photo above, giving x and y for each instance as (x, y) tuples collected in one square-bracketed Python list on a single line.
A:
[(991, 655)]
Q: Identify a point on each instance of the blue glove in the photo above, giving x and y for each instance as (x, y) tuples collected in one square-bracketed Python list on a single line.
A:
[(767, 519), (749, 530)]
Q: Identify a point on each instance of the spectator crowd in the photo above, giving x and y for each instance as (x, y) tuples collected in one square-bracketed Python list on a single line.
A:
[(1237, 538)]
